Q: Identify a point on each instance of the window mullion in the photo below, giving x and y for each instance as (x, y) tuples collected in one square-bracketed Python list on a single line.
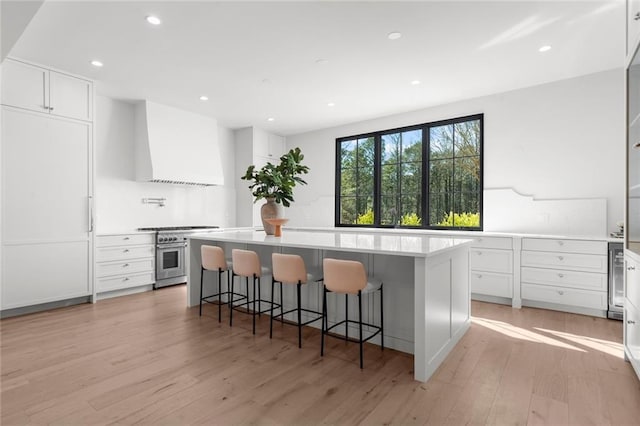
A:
[(377, 179)]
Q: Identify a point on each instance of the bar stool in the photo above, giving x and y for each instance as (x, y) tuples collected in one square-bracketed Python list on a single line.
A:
[(290, 269), (349, 277), (246, 263), (213, 260)]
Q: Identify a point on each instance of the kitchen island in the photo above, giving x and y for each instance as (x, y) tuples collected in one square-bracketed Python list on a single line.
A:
[(427, 298)]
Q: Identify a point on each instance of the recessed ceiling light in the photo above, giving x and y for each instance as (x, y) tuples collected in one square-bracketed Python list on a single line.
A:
[(270, 119), (153, 20), (322, 61), (415, 82), (331, 104), (394, 35), (204, 98), (96, 63), (544, 48)]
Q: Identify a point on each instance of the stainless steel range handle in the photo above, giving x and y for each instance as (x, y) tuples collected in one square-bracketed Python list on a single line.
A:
[(171, 246)]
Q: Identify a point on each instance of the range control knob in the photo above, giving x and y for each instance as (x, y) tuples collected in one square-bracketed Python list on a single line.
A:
[(161, 239)]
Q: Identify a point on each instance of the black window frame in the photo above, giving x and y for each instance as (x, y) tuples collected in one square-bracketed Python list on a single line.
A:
[(377, 178)]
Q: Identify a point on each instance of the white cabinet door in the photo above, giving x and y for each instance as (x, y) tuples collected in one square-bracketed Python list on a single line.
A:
[(633, 24), (25, 86), (276, 146), (45, 200), (70, 96), (632, 336)]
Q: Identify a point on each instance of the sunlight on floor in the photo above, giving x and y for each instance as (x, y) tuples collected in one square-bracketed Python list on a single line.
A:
[(606, 346), (521, 333), (560, 339)]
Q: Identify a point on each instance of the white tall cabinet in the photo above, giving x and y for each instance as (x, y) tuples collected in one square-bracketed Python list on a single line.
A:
[(47, 186), (632, 217)]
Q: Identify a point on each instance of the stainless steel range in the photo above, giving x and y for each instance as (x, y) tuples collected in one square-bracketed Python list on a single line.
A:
[(171, 252)]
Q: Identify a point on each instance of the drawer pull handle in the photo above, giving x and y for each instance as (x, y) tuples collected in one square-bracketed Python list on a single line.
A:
[(479, 276), (479, 253), (637, 17), (560, 292), (561, 275), (632, 322), (631, 268), (560, 243), (125, 265), (125, 251), (125, 279), (126, 238), (560, 258)]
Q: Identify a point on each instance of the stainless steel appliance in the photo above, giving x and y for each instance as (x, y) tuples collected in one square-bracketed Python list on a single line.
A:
[(616, 281), (171, 253)]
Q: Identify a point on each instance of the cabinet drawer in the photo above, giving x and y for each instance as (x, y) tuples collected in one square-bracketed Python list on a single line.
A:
[(585, 280), (493, 243), (580, 262), (565, 296), (104, 269), (490, 260), (632, 281), (565, 246), (500, 285), (124, 281), (104, 254), (126, 239)]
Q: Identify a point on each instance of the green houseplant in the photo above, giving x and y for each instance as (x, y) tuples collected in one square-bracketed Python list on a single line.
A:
[(275, 183)]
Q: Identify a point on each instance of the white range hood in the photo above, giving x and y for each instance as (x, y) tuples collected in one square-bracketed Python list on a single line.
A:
[(176, 146)]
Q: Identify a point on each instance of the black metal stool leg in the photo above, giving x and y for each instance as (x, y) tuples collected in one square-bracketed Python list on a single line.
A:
[(253, 314), (360, 325), (324, 319), (346, 317), (381, 317), (201, 280), (219, 295), (299, 318), (273, 282), (233, 280)]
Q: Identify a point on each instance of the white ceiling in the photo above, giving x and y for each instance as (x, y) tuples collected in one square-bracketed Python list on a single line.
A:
[(256, 60)]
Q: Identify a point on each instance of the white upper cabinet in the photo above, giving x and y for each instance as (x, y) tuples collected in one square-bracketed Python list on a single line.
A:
[(39, 89)]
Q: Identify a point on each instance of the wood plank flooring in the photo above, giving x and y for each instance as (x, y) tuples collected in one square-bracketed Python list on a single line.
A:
[(146, 359)]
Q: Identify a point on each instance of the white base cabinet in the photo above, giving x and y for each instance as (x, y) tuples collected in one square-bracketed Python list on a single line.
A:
[(124, 261), (567, 274), (491, 267), (632, 310)]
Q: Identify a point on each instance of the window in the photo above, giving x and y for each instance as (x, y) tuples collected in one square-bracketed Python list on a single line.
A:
[(424, 176)]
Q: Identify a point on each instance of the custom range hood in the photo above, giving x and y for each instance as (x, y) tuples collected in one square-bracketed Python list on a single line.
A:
[(176, 146)]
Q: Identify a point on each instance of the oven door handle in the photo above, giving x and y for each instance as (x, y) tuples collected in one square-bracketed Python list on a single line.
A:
[(171, 246)]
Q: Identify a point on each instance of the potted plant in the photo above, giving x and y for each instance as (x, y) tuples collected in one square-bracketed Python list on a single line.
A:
[(275, 184)]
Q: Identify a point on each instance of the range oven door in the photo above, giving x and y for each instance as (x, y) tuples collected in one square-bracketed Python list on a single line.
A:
[(170, 261)]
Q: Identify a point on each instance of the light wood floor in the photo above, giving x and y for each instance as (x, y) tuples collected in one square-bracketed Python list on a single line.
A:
[(147, 359)]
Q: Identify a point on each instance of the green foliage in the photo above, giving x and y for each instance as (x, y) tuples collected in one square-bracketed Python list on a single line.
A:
[(366, 218), (277, 182), (460, 220), (411, 219)]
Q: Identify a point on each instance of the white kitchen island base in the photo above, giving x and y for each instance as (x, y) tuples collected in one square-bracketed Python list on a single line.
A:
[(427, 298)]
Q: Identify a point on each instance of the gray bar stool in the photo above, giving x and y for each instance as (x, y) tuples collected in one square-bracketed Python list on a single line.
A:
[(349, 277), (290, 269), (246, 263)]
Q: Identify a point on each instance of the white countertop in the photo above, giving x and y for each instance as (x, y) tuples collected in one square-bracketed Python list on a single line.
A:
[(367, 242)]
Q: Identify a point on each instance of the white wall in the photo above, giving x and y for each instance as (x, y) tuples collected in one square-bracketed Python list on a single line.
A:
[(563, 140), (119, 197)]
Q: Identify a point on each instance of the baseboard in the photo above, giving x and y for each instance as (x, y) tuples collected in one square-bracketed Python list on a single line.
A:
[(25, 310)]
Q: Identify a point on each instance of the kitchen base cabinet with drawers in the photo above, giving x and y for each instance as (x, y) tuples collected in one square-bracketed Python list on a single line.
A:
[(564, 274), (125, 264), (632, 310), (491, 270)]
